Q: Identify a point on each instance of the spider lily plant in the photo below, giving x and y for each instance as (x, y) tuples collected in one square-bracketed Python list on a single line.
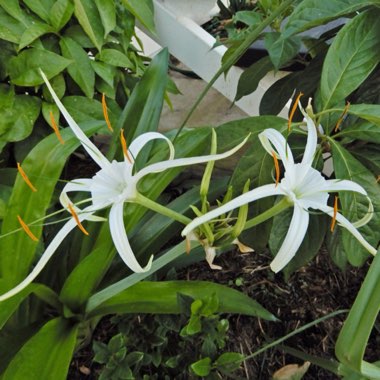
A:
[(303, 187), (115, 184)]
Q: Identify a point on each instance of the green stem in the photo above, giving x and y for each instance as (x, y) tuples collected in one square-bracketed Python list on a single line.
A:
[(253, 36), (270, 213), (295, 332), (154, 206)]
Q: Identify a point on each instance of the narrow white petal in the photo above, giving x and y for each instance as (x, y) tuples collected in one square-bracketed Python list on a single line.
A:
[(350, 227), (121, 242), (344, 185), (139, 142), (293, 239), (91, 149), (312, 140), (161, 166), (250, 196), (50, 250), (274, 141)]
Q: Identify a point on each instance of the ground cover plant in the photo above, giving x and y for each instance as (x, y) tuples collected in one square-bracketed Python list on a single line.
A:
[(126, 231)]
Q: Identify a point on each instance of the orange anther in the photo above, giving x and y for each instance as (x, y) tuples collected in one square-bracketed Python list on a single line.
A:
[(105, 113), (26, 229), (25, 177), (75, 216), (124, 146), (333, 222), (293, 110), (341, 117), (56, 129), (277, 167)]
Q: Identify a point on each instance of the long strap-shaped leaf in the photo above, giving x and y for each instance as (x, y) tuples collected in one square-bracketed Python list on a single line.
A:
[(353, 338)]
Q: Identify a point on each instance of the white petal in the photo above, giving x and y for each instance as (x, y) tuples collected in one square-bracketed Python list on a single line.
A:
[(274, 141), (344, 185), (250, 196), (350, 227), (121, 242), (311, 144), (50, 250), (139, 142), (293, 239), (160, 166), (91, 149)]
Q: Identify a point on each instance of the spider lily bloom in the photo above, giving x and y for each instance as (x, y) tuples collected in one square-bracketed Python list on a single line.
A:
[(304, 187), (112, 186)]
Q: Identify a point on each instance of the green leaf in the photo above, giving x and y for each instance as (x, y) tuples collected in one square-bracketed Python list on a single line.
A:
[(17, 249), (229, 362), (42, 8), (143, 11), (354, 205), (250, 78), (10, 29), (80, 70), (115, 58), (369, 112), (47, 355), (12, 7), (18, 119), (362, 131), (310, 13), (202, 367), (354, 53), (106, 72), (107, 11), (161, 297), (89, 19), (281, 50), (77, 34), (24, 69), (33, 32), (353, 338), (59, 86), (61, 13)]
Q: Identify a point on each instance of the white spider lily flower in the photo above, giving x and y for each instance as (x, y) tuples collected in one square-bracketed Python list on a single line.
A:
[(112, 186), (304, 187)]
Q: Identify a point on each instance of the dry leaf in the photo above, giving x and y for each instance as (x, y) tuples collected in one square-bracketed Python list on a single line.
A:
[(291, 372)]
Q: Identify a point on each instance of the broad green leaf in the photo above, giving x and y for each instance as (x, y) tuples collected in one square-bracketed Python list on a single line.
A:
[(89, 19), (250, 78), (143, 11), (362, 131), (46, 109), (77, 34), (355, 206), (369, 112), (33, 32), (9, 306), (106, 72), (281, 50), (107, 11), (80, 70), (354, 53), (249, 18), (369, 155), (310, 13), (61, 13), (161, 298), (115, 58), (12, 7), (353, 338), (18, 119), (41, 8), (10, 29), (24, 69), (47, 355), (202, 367), (43, 166), (228, 362), (59, 86)]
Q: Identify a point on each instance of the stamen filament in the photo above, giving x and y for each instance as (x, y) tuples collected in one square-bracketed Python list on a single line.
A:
[(124, 146), (25, 177), (277, 167), (75, 216), (105, 113), (333, 221), (341, 117), (26, 229), (56, 129), (378, 179), (293, 110), (188, 245)]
